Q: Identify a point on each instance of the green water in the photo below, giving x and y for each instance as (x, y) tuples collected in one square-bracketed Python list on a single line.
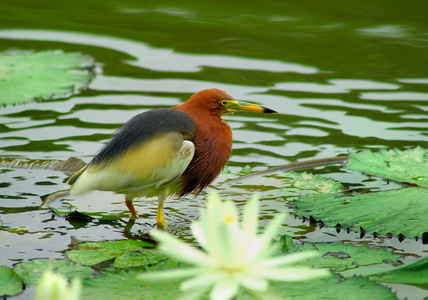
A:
[(343, 75)]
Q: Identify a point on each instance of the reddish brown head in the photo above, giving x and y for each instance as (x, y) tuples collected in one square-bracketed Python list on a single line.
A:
[(206, 102), (213, 141)]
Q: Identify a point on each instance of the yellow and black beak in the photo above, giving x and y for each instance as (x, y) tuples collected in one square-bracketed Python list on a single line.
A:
[(232, 106)]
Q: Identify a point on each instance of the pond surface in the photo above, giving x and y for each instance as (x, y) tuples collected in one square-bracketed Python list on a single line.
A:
[(344, 76)]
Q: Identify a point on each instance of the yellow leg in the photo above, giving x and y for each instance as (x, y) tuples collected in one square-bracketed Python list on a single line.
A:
[(159, 217), (130, 205)]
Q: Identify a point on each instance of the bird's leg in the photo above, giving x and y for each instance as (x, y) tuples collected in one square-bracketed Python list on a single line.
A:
[(130, 206), (161, 200)]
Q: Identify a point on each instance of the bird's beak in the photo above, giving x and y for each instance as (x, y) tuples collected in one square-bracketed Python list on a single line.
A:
[(237, 105)]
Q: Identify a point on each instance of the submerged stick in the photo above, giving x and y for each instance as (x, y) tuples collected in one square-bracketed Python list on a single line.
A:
[(69, 166), (295, 165)]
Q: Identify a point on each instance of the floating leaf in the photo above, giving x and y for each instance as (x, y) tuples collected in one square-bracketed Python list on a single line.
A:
[(94, 253), (31, 272), (333, 288), (28, 76), (151, 258), (317, 183), (338, 256), (409, 166), (414, 273), (125, 286), (402, 211), (10, 283)]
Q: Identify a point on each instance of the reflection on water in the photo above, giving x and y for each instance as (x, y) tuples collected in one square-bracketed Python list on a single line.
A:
[(164, 60), (337, 86)]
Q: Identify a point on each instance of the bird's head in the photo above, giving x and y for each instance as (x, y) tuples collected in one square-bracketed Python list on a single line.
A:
[(218, 102)]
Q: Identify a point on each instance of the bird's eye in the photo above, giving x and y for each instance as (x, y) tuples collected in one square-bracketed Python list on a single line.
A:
[(224, 102)]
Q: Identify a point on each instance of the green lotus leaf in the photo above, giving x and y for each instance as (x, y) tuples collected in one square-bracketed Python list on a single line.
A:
[(28, 76), (410, 166), (150, 259), (125, 285), (309, 182), (333, 288), (31, 272), (401, 211), (91, 253), (10, 283), (338, 256), (414, 273)]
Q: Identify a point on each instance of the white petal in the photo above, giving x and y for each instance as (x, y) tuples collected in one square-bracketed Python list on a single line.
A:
[(179, 250), (254, 250), (186, 254), (260, 250), (272, 229), (75, 289), (229, 213), (203, 280), (213, 204), (287, 259), (193, 294), (169, 275), (220, 238), (199, 234), (213, 197), (265, 295), (227, 239), (202, 215), (251, 282), (51, 286), (250, 217), (293, 274), (211, 223), (226, 288)]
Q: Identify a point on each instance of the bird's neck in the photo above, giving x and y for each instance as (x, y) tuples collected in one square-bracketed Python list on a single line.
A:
[(208, 125), (213, 146), (193, 110)]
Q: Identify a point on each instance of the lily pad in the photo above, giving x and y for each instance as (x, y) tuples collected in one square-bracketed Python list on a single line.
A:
[(333, 288), (31, 272), (28, 76), (124, 285), (151, 259), (309, 182), (94, 253), (338, 256), (410, 166), (10, 283), (400, 211), (414, 273)]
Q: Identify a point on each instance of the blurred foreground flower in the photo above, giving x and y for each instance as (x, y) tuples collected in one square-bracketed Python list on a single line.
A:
[(235, 255), (55, 287)]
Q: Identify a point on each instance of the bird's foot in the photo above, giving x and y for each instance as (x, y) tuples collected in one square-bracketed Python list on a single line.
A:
[(161, 221)]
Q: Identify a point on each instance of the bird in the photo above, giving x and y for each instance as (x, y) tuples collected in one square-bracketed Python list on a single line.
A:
[(166, 151)]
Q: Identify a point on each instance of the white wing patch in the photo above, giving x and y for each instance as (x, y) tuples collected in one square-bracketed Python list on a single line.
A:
[(179, 164)]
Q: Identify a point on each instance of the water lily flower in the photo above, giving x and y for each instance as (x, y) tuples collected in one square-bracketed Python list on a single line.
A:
[(233, 255), (55, 287)]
